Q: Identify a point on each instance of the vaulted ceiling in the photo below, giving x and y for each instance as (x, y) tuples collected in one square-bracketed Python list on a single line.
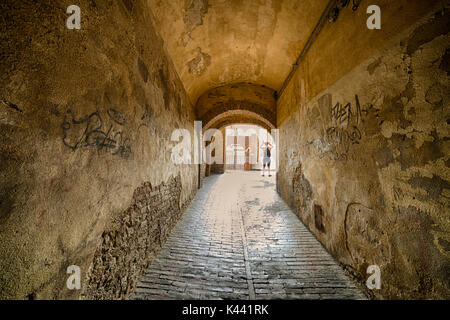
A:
[(218, 42)]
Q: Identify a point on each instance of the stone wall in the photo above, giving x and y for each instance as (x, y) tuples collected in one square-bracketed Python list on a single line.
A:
[(86, 118), (132, 240), (364, 146)]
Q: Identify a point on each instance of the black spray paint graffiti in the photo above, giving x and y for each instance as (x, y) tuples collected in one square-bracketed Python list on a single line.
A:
[(342, 139), (346, 127), (89, 132), (345, 115)]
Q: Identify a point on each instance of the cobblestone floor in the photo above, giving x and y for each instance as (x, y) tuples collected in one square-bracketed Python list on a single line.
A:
[(239, 240)]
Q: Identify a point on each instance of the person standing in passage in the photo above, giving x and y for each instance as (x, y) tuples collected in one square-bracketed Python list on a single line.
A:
[(266, 156)]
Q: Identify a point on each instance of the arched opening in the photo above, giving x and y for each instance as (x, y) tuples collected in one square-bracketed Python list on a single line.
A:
[(242, 106), (237, 103), (240, 146)]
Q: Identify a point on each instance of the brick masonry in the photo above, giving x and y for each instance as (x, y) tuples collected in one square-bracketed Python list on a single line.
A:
[(132, 240)]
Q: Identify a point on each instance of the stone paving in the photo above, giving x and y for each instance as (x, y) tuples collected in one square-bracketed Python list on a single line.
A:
[(239, 240)]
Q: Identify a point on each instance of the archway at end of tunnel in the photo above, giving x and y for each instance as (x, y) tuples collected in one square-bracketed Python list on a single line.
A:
[(237, 121), (241, 147)]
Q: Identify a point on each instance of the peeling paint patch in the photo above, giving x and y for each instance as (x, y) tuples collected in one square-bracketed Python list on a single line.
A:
[(195, 11), (200, 63)]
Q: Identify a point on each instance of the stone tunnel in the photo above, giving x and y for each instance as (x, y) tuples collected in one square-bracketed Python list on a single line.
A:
[(87, 116)]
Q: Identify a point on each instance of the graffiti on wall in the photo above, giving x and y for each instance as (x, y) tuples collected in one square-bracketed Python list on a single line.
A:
[(92, 131), (346, 127)]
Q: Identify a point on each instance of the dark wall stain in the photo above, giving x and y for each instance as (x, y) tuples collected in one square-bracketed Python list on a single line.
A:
[(434, 186), (447, 163), (392, 108), (373, 66), (384, 156), (412, 156), (445, 63), (434, 96), (143, 71), (444, 244), (6, 203), (438, 26), (318, 218), (11, 105), (129, 4), (425, 263), (302, 190), (148, 112), (163, 77)]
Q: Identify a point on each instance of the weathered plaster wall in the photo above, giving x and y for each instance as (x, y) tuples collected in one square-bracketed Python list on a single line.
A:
[(364, 148), (85, 120)]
